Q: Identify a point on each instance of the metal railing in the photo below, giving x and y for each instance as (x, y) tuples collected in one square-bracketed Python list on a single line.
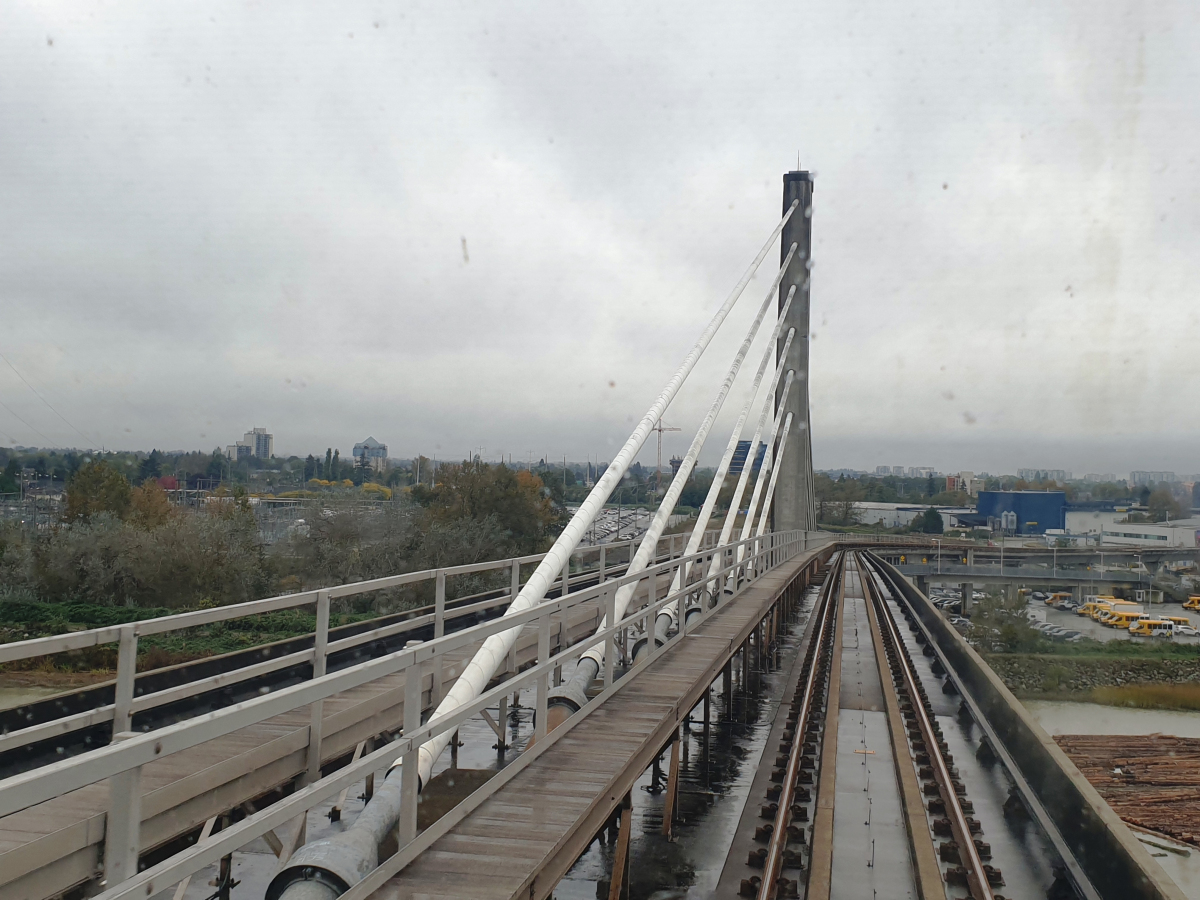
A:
[(121, 762), (127, 702)]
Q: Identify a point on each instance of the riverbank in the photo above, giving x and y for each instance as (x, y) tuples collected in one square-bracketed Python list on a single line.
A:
[(1145, 683)]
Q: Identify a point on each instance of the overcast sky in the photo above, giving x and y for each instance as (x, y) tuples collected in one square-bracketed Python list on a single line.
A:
[(454, 226)]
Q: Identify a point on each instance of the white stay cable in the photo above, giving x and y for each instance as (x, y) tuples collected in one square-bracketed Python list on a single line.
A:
[(736, 500), (766, 470), (649, 545), (762, 522), (714, 489), (495, 649)]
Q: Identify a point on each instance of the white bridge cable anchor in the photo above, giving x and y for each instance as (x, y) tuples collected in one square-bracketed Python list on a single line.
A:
[(324, 869)]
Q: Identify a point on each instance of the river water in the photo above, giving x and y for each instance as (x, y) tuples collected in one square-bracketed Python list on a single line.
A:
[(1065, 717)]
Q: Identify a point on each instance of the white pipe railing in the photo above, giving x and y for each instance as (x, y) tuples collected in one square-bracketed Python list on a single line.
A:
[(131, 703), (126, 758)]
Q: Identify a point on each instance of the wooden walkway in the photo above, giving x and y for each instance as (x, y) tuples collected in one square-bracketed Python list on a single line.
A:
[(522, 840), (54, 846)]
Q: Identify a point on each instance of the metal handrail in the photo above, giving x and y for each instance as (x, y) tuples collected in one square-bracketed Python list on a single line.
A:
[(117, 760), (70, 774), (127, 704)]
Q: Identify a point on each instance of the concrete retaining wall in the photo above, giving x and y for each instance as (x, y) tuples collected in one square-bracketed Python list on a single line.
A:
[(1116, 863)]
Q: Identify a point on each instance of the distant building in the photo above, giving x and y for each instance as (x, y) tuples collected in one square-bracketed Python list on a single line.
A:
[(1151, 478), (253, 443), (964, 481), (741, 453), (676, 462), (920, 471), (1100, 478), (1023, 512), (1058, 475), (1183, 533), (373, 452)]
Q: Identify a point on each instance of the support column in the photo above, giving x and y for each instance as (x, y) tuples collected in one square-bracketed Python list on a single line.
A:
[(792, 508), (923, 584), (967, 589)]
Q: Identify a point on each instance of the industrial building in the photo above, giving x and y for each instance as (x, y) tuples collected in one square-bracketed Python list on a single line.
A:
[(1023, 512)]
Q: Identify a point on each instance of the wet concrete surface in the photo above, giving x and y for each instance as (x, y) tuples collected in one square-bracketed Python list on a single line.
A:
[(871, 854)]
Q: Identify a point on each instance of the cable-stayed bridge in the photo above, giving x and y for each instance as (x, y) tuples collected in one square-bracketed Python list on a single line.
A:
[(879, 776)]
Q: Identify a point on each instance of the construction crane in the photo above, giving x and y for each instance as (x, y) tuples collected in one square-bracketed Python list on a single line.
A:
[(660, 428)]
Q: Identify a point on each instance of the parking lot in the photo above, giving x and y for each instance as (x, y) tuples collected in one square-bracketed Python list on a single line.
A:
[(1067, 619), (1097, 632)]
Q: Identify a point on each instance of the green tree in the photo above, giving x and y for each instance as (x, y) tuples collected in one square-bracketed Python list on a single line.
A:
[(928, 522), (151, 466), (310, 468), (10, 479), (97, 488), (215, 469), (1163, 505), (328, 474), (335, 467), (515, 500)]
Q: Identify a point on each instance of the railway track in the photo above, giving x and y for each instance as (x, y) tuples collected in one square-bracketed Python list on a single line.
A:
[(864, 797)]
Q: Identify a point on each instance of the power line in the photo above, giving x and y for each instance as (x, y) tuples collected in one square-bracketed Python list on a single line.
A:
[(23, 422), (44, 400)]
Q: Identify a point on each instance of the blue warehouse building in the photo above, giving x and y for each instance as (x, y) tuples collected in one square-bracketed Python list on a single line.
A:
[(1023, 512)]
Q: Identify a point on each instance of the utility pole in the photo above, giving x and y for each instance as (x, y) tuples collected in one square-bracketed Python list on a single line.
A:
[(793, 505), (660, 428)]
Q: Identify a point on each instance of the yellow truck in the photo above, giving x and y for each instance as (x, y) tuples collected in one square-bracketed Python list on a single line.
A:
[(1192, 602)]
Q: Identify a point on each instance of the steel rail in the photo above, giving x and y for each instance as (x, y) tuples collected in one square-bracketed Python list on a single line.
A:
[(1032, 801), (977, 879), (822, 636)]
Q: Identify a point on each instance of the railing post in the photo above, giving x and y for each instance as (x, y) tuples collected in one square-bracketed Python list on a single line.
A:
[(439, 605), (515, 584), (602, 549), (320, 645), (610, 614), (126, 675), (543, 682), (123, 826), (409, 773), (439, 630), (566, 576)]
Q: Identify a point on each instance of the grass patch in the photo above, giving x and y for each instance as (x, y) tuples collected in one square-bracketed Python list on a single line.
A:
[(1121, 648), (1149, 696)]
